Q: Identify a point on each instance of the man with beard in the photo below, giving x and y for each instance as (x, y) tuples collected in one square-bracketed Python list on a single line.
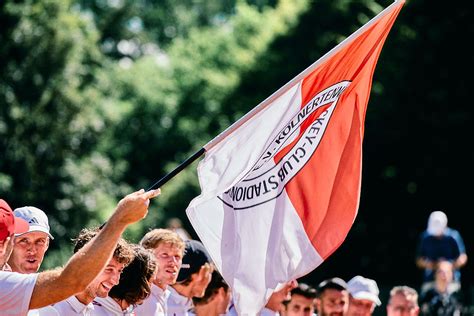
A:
[(30, 247), (81, 303), (301, 302), (332, 298), (168, 249)]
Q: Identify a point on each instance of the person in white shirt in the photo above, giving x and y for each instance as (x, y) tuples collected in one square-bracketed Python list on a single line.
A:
[(134, 286), (15, 288), (168, 249), (81, 303), (30, 247), (194, 276), (21, 292)]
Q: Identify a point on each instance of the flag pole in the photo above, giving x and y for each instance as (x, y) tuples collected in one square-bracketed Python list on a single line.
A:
[(174, 172), (170, 175), (178, 169)]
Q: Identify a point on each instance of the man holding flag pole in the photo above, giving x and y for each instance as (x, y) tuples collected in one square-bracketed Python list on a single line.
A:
[(281, 186)]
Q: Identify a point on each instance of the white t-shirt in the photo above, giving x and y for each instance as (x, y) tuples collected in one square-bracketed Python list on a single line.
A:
[(70, 306), (155, 304), (178, 305), (268, 312), (264, 312), (108, 307), (15, 292)]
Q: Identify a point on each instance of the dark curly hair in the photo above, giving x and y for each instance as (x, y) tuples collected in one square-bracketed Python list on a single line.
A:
[(135, 281), (123, 252)]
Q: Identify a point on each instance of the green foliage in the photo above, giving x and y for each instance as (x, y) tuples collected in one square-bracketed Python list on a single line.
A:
[(174, 100), (80, 130), (50, 116), (128, 28)]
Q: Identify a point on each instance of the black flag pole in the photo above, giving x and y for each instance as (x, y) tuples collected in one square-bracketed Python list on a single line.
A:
[(178, 169), (174, 172)]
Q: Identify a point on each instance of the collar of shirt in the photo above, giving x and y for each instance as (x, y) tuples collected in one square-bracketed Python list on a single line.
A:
[(179, 299), (7, 268), (268, 312), (159, 293), (79, 307), (111, 305)]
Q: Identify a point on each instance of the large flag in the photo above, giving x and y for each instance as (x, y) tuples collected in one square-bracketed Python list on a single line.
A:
[(281, 186)]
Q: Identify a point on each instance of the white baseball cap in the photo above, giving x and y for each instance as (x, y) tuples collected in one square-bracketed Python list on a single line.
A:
[(437, 223), (364, 289), (35, 217)]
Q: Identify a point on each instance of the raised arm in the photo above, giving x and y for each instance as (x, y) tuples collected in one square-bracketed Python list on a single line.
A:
[(88, 262)]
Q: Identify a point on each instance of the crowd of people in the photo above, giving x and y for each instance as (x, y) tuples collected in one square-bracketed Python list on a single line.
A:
[(440, 255), (169, 273)]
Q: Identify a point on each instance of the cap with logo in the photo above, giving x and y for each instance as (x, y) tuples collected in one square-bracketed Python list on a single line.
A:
[(364, 289), (35, 217), (9, 224), (195, 256), (437, 223)]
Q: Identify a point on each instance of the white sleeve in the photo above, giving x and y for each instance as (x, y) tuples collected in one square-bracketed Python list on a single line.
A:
[(16, 292), (46, 311)]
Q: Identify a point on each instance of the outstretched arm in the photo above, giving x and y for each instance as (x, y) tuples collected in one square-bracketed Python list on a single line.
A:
[(88, 262)]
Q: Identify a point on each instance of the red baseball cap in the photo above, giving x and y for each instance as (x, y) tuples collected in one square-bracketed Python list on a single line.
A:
[(9, 224)]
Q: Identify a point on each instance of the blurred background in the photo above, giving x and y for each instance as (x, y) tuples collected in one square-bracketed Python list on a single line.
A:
[(102, 97)]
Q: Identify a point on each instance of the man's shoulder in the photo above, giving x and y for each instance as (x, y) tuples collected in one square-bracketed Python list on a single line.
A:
[(72, 306), (49, 311), (15, 293), (150, 306), (178, 303), (15, 279)]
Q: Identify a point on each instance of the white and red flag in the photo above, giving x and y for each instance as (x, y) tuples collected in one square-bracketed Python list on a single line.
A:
[(281, 186)]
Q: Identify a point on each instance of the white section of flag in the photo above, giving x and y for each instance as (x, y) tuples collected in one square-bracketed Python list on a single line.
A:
[(256, 252)]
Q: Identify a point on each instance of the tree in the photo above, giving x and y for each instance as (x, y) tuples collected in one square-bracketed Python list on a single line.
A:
[(50, 115)]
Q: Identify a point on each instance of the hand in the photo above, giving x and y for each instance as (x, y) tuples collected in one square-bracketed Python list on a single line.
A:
[(134, 206), (204, 275)]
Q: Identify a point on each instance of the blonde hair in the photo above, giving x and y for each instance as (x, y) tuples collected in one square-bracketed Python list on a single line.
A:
[(159, 236)]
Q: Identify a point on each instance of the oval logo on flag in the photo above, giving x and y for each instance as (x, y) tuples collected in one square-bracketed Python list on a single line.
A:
[(287, 154)]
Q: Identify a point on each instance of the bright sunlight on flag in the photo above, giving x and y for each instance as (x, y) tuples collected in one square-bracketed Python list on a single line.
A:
[(281, 187)]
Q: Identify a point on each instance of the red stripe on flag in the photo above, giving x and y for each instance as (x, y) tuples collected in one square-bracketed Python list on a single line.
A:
[(326, 192)]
